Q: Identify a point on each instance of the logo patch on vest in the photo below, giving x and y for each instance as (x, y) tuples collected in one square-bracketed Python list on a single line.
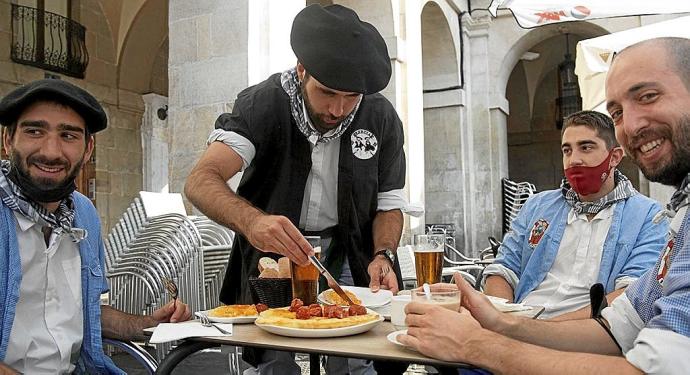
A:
[(537, 232), (364, 144), (664, 264)]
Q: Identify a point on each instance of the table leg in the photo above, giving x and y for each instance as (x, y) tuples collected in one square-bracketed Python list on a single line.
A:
[(314, 364)]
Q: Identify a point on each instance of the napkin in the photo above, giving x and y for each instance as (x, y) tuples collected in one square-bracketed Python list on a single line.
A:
[(503, 305), (165, 332)]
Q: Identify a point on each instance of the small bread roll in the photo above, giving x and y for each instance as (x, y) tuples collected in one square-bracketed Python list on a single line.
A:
[(267, 262), (269, 273), (284, 268)]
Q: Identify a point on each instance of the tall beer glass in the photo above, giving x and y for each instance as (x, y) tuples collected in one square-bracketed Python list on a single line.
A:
[(305, 279), (428, 257)]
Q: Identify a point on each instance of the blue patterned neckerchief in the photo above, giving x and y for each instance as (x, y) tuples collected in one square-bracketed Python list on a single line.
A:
[(290, 83), (623, 190), (679, 199), (60, 220)]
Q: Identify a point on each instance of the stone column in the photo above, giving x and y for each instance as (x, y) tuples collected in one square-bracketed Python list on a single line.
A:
[(154, 143), (218, 48), (487, 157)]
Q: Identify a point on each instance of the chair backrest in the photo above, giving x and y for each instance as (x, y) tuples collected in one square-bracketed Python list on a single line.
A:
[(515, 195), (448, 230), (162, 203), (408, 273)]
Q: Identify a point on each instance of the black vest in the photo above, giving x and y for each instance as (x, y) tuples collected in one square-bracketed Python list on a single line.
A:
[(275, 179)]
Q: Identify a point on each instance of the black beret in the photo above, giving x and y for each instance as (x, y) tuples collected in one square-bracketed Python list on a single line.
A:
[(339, 50), (14, 103)]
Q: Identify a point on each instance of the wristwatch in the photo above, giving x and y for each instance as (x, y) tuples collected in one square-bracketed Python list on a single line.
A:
[(386, 253)]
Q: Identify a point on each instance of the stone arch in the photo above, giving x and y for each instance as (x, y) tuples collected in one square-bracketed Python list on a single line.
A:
[(531, 88), (515, 49), (142, 47), (100, 47), (439, 41)]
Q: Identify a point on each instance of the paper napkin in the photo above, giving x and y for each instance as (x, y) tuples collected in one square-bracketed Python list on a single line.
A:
[(165, 332)]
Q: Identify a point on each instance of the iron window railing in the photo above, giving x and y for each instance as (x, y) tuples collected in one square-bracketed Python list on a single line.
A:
[(49, 41)]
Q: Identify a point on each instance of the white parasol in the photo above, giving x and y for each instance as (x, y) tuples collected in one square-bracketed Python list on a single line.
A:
[(532, 13), (594, 56)]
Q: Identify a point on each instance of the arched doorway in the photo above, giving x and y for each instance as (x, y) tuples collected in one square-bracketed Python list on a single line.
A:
[(534, 153)]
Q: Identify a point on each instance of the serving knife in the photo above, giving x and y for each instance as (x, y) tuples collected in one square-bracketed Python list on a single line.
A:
[(330, 280)]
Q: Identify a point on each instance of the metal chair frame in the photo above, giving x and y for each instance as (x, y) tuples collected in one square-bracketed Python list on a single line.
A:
[(142, 251)]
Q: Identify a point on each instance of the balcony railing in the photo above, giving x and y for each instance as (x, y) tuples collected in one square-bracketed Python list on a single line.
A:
[(49, 41)]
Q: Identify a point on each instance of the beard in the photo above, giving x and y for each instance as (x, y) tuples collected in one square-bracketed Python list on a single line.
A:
[(318, 119), (42, 189), (674, 171)]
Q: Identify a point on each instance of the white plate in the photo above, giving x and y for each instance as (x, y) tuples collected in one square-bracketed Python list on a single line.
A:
[(393, 337), (384, 311), (369, 298), (321, 332), (236, 320)]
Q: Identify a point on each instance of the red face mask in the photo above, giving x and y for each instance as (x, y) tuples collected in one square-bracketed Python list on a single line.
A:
[(588, 180)]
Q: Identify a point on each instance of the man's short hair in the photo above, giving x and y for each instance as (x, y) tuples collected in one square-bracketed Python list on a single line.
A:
[(678, 50), (597, 121)]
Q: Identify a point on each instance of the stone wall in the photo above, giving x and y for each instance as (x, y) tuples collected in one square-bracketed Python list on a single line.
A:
[(118, 148), (218, 48)]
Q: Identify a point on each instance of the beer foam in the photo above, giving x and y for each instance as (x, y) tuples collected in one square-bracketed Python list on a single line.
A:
[(428, 250)]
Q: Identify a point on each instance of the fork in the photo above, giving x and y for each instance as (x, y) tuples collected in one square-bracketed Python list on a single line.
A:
[(207, 323), (172, 289)]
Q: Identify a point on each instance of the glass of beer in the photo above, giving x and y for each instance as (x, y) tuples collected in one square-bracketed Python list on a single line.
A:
[(428, 257), (305, 279)]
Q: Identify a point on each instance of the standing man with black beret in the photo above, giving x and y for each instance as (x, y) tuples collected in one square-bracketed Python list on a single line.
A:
[(322, 154), (52, 273)]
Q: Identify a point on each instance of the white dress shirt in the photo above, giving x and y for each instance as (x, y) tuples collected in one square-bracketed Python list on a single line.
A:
[(47, 331), (576, 267)]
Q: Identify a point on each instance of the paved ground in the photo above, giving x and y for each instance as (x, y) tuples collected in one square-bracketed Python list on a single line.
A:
[(213, 362)]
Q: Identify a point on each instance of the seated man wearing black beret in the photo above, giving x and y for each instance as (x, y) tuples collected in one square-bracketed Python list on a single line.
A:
[(51, 252), (322, 154)]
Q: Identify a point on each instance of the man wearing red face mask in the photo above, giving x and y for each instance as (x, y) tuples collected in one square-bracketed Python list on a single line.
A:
[(595, 229)]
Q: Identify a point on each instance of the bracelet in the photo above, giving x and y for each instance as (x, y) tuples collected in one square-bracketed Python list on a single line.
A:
[(603, 325)]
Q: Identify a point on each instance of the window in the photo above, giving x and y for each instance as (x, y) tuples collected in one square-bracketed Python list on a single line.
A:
[(45, 36)]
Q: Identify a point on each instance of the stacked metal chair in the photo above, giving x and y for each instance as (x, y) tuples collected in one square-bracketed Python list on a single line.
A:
[(143, 251), (515, 195)]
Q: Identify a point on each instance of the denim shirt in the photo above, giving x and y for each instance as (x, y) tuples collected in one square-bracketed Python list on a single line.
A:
[(632, 244), (92, 360)]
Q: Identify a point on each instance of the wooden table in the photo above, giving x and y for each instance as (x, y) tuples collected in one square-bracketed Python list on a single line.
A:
[(372, 344)]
